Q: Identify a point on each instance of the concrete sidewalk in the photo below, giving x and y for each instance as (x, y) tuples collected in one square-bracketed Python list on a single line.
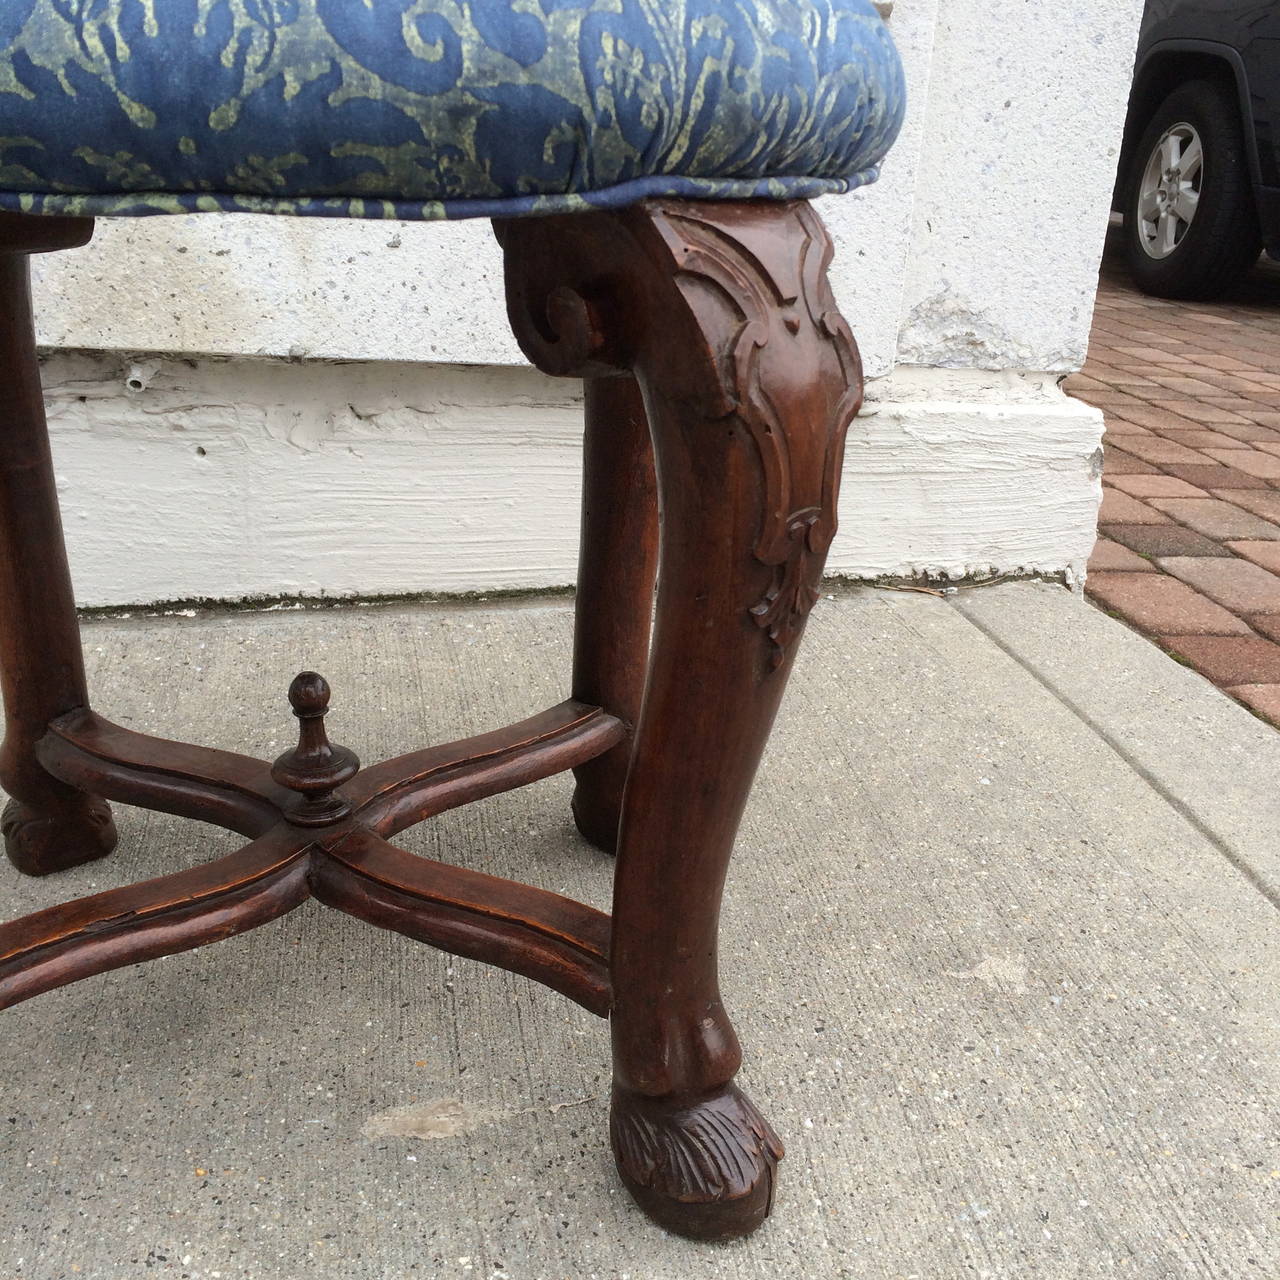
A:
[(1001, 940)]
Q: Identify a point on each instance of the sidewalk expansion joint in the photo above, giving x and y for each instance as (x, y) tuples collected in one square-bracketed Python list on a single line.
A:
[(1270, 891)]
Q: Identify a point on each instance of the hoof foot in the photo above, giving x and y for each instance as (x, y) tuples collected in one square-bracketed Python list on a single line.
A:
[(701, 1168), (39, 846)]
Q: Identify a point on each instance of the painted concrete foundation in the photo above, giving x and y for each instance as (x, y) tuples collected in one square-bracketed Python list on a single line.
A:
[(232, 478), (253, 406)]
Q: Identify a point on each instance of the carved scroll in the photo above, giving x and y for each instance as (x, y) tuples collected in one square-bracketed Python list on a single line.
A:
[(726, 309)]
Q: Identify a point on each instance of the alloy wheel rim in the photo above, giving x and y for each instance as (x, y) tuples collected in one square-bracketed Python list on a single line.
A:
[(1169, 191)]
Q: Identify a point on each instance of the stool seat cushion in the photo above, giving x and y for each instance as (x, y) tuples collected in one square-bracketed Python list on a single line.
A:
[(436, 108)]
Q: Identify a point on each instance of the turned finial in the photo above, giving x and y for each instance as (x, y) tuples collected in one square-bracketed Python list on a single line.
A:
[(315, 768)]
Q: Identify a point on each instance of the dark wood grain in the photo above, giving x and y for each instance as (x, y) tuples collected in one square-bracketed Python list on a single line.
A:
[(408, 789), (229, 790), (750, 376), (155, 918), (617, 565), (22, 234), (315, 769), (47, 825), (557, 941), (720, 381)]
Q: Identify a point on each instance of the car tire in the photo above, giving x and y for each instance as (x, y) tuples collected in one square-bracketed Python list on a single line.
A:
[(1172, 255)]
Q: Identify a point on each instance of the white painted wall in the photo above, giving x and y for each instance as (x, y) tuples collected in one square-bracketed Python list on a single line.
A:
[(306, 381)]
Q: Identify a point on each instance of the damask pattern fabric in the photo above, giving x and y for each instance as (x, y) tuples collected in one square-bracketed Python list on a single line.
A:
[(436, 108)]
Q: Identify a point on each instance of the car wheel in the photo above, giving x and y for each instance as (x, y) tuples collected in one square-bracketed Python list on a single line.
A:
[(1191, 226)]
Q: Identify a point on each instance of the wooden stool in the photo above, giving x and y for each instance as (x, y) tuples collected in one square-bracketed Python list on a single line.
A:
[(720, 380)]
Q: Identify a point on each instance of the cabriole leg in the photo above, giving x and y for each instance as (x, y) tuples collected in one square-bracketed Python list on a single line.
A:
[(47, 825), (750, 378), (616, 568)]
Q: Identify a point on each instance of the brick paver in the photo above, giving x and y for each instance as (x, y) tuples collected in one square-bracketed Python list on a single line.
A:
[(1229, 660), (1213, 475), (1120, 508), (1162, 540), (1213, 517), (1163, 605), (1111, 557), (1237, 585), (1189, 531), (1157, 486), (1266, 554), (1266, 624), (1263, 698)]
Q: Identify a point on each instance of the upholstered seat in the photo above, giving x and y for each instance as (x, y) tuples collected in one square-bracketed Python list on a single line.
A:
[(437, 108)]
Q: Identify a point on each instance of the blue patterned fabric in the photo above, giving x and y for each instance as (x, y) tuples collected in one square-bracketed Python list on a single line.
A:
[(436, 108)]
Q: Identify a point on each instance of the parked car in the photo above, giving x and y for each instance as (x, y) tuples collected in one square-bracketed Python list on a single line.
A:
[(1199, 179)]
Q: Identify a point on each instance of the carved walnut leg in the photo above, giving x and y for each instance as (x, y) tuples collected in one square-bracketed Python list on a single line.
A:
[(750, 378), (616, 569), (47, 825)]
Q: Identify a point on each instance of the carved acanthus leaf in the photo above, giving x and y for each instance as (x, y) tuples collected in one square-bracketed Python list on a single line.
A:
[(783, 304), (752, 332), (718, 1149)]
